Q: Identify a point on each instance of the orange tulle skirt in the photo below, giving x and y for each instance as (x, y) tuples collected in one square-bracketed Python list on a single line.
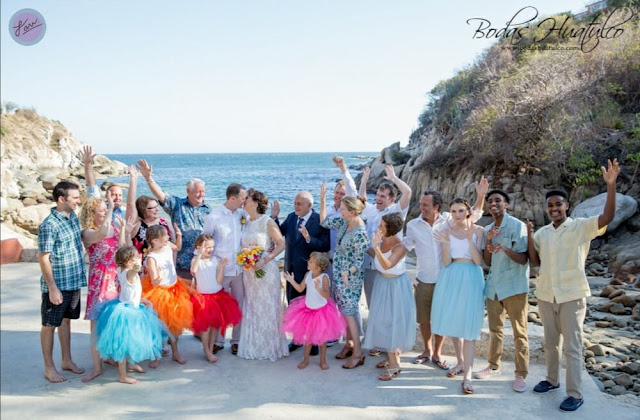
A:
[(172, 303)]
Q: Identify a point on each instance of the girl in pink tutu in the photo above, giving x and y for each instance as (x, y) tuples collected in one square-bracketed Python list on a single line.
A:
[(213, 308), (313, 319)]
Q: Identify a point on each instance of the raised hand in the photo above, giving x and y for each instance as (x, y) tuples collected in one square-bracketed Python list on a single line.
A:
[(390, 173), (133, 172), (441, 236), (223, 262), (494, 232), (323, 191), (145, 169), (86, 155), (468, 229), (482, 186), (611, 173), (530, 228), (110, 199), (275, 209), (120, 220), (339, 162), (132, 221), (305, 233), (377, 239), (366, 172), (495, 248), (288, 276)]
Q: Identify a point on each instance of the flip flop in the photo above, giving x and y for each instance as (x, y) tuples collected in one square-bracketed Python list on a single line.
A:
[(466, 387), (382, 365), (421, 360), (457, 370), (374, 352), (442, 364)]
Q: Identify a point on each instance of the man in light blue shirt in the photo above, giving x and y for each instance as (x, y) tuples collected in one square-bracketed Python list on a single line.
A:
[(506, 287)]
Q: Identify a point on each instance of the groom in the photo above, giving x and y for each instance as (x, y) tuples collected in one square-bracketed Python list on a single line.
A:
[(303, 235)]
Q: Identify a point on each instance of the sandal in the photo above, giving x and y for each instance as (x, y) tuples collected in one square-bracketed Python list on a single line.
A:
[(457, 370), (350, 365), (390, 374), (466, 387), (345, 353), (374, 352), (383, 365), (420, 360), (442, 364)]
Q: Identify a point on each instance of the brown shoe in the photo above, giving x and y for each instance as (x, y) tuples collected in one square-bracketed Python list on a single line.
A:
[(234, 349), (217, 348)]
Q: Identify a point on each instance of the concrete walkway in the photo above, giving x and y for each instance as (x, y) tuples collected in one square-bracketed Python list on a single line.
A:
[(246, 389)]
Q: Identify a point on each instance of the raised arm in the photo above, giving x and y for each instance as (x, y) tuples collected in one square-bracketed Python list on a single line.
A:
[(90, 236), (397, 252), (610, 175), (292, 281), (86, 155), (222, 263), (482, 187), (323, 202), (402, 186), (362, 192), (349, 183), (146, 170), (132, 210), (534, 258)]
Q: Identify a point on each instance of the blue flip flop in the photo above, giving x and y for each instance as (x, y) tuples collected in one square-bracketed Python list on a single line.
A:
[(442, 364), (420, 360)]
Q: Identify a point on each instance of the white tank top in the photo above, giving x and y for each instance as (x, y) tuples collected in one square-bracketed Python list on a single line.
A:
[(396, 270), (460, 247), (164, 261), (206, 276), (130, 293), (313, 299)]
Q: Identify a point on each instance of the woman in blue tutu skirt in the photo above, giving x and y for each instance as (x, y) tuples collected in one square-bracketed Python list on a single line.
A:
[(128, 331), (313, 319), (391, 326), (458, 303)]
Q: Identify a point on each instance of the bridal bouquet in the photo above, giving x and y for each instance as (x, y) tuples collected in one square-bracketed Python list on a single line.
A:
[(248, 257)]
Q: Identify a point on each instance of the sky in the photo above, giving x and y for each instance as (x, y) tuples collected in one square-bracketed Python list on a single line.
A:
[(244, 76)]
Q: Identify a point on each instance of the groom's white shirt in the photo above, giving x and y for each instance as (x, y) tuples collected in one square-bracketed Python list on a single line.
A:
[(226, 228)]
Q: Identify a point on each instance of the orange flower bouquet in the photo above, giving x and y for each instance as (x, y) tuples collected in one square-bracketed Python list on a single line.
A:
[(248, 257)]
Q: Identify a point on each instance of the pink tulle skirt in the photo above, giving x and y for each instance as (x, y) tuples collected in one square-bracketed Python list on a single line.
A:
[(313, 326), (215, 310)]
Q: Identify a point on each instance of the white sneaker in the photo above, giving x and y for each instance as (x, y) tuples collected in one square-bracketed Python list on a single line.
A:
[(486, 373), (519, 385)]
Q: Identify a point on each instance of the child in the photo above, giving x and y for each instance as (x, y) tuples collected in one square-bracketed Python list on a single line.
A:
[(313, 319), (213, 308), (560, 249), (126, 330), (169, 295)]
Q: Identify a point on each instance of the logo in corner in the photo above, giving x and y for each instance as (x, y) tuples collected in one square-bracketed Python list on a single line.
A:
[(27, 27)]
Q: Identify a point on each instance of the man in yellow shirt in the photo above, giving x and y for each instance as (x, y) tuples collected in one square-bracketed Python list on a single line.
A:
[(560, 249)]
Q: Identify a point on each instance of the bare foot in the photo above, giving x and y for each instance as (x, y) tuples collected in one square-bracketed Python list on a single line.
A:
[(136, 368), (303, 364), (111, 362), (179, 359), (91, 375), (72, 367), (128, 380), (212, 358), (324, 365), (154, 364), (54, 376)]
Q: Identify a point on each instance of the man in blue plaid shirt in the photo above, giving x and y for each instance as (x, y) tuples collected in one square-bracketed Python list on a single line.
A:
[(63, 274)]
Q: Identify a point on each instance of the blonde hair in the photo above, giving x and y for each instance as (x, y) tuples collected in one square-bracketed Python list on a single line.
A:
[(87, 213), (322, 260), (354, 204), (124, 255)]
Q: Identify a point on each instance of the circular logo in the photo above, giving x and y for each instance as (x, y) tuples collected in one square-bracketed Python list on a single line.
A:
[(27, 27)]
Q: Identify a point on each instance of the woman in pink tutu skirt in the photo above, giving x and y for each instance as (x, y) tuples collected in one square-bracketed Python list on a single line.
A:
[(313, 319)]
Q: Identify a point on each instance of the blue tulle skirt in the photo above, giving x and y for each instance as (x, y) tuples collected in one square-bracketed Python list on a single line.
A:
[(125, 332), (392, 317), (458, 302)]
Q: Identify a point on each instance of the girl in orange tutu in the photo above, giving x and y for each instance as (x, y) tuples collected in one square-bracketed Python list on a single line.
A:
[(169, 294), (213, 308)]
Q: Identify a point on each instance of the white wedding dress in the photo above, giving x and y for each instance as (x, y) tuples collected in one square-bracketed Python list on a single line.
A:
[(260, 337)]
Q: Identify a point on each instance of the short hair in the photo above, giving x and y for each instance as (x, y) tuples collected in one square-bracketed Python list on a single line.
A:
[(155, 232), (87, 212), (322, 260), (233, 190), (464, 202), (202, 238), (62, 189), (124, 255), (436, 198), (393, 191), (260, 198), (340, 183), (354, 204), (306, 195), (113, 186), (141, 205), (192, 183), (561, 193), (502, 193), (393, 222)]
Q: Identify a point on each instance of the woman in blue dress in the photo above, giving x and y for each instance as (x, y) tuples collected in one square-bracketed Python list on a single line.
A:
[(348, 273), (458, 302)]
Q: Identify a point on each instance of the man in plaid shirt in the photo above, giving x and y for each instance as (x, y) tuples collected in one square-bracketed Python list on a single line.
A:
[(63, 274)]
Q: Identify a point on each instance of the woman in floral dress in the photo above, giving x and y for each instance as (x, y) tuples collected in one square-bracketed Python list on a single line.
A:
[(348, 274)]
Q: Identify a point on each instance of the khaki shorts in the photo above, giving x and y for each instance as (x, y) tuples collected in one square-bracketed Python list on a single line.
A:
[(424, 296)]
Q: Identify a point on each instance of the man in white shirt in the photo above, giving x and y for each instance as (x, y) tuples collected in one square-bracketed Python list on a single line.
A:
[(225, 224), (429, 261)]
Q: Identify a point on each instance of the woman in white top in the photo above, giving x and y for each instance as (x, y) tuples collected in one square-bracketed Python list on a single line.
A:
[(391, 326)]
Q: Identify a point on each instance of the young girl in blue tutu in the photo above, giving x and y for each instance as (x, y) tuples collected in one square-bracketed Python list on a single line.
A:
[(313, 319), (126, 329)]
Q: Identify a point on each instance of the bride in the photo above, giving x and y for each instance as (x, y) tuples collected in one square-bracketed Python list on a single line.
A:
[(260, 337)]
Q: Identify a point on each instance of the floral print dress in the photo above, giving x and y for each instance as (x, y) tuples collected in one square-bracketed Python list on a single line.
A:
[(103, 277), (351, 246)]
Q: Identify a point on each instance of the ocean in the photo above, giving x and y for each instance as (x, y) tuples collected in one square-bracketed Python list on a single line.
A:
[(279, 175)]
